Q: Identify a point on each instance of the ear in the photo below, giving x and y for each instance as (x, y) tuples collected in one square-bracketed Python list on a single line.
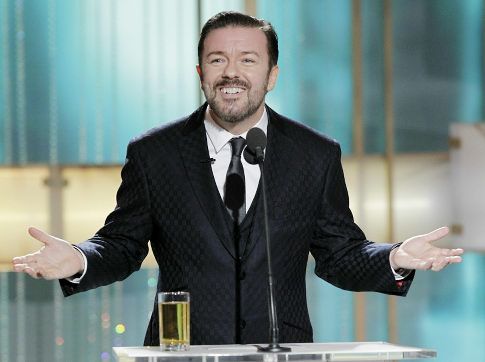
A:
[(273, 75), (199, 71)]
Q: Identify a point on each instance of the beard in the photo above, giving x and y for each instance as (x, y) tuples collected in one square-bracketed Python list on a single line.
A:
[(235, 110)]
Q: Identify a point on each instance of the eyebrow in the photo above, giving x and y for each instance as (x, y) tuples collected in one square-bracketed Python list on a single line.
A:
[(248, 52)]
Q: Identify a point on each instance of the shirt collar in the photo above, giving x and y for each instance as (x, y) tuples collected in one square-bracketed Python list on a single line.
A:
[(219, 137)]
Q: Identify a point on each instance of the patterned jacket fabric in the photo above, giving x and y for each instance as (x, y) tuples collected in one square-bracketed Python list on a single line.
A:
[(168, 196)]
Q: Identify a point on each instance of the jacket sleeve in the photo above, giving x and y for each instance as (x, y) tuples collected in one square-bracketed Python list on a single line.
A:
[(343, 255), (119, 247)]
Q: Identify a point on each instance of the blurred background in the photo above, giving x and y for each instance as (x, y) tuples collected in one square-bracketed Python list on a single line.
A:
[(399, 83)]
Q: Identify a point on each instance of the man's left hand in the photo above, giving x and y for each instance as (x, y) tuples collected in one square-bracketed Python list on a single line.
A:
[(418, 253)]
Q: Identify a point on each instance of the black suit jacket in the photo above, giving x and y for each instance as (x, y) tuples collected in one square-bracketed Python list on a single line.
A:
[(168, 196)]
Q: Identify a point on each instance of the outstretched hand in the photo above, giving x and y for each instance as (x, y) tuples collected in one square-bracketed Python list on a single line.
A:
[(56, 259), (418, 252)]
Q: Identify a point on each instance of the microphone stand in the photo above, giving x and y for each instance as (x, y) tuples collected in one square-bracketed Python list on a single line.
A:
[(273, 320)]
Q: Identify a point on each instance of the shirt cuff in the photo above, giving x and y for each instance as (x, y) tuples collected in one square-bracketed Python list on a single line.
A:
[(400, 273), (76, 279)]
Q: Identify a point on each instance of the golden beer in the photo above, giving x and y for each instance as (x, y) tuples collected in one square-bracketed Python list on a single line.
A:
[(174, 319)]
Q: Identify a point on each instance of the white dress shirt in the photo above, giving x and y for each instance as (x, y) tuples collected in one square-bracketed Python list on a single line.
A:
[(220, 151)]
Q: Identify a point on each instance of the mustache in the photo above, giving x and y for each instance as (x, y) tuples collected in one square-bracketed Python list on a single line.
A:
[(231, 83)]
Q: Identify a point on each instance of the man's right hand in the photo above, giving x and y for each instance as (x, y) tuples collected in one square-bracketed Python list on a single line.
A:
[(57, 259)]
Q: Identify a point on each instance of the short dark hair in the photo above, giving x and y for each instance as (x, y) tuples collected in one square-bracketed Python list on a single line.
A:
[(232, 18)]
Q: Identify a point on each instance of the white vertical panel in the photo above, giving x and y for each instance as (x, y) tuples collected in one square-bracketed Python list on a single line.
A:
[(422, 189), (100, 17), (20, 95), (370, 206), (58, 301), (421, 199), (147, 57), (212, 7), (21, 317), (4, 318), (106, 323), (24, 202), (93, 326), (113, 69), (6, 83), (53, 101), (468, 184), (82, 118)]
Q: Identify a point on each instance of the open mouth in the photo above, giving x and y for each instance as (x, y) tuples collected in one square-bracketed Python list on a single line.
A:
[(232, 90)]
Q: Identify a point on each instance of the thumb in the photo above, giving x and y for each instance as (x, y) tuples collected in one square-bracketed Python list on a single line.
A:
[(40, 235), (436, 234)]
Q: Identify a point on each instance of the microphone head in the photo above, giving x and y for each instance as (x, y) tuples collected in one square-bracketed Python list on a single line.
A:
[(250, 157), (256, 138)]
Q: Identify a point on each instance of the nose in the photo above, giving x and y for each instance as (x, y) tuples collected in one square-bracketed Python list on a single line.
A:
[(231, 70)]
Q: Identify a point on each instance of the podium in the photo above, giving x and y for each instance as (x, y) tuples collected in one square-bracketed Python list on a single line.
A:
[(300, 352)]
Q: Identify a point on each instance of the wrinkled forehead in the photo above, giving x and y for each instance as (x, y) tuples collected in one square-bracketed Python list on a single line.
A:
[(233, 39)]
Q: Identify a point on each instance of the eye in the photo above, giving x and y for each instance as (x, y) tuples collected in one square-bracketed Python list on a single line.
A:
[(248, 61), (216, 60)]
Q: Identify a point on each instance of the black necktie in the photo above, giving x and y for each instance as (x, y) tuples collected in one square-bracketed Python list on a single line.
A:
[(235, 189)]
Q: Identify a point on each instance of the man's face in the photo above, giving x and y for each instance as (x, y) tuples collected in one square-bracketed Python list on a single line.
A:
[(235, 74)]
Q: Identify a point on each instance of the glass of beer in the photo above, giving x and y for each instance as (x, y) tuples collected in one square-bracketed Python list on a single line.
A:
[(174, 320)]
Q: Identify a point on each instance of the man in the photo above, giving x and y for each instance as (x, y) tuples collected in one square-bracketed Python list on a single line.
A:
[(172, 192)]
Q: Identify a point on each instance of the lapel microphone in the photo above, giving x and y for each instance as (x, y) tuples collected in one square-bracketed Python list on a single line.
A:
[(208, 160), (254, 154)]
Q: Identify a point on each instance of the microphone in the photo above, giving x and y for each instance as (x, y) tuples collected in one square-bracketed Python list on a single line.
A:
[(254, 154), (256, 143), (208, 160)]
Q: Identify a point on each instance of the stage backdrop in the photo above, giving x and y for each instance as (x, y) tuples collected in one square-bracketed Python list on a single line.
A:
[(79, 78)]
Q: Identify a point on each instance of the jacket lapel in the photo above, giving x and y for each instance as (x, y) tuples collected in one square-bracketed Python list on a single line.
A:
[(195, 156)]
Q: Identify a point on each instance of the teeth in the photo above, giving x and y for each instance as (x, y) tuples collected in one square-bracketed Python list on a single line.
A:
[(231, 90)]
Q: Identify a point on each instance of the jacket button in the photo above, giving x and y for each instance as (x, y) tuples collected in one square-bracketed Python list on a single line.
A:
[(242, 324), (242, 275)]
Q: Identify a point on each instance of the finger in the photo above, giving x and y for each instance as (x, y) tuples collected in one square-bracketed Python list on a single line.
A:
[(439, 264), (40, 235), (437, 234), (32, 272), (458, 251), (25, 268), (25, 259), (451, 252), (18, 260), (19, 267), (454, 259)]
